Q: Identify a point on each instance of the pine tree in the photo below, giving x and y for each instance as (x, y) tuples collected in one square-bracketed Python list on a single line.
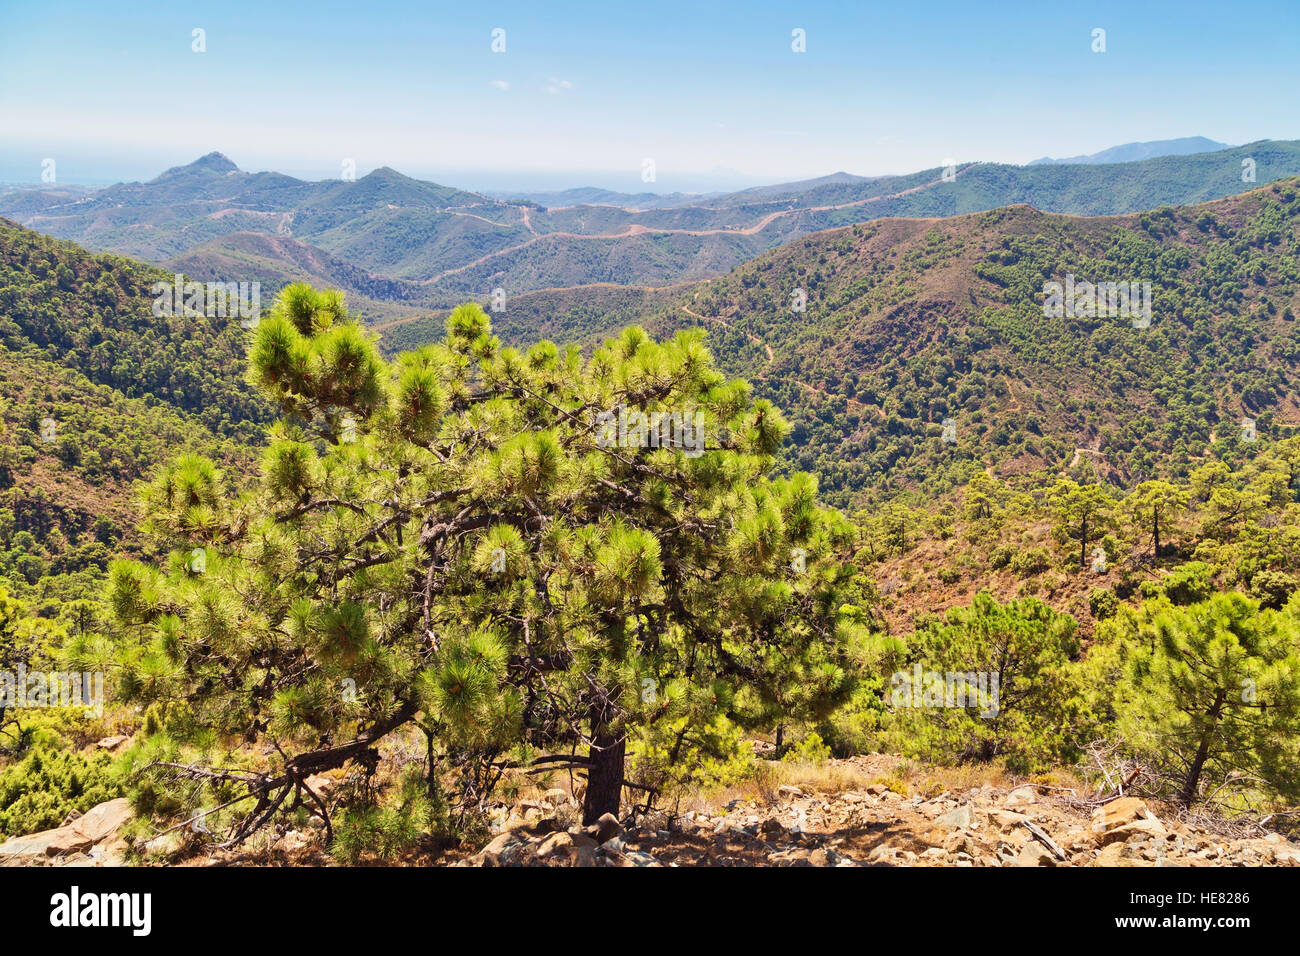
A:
[(1083, 512), (1156, 504), (508, 548), (1213, 691)]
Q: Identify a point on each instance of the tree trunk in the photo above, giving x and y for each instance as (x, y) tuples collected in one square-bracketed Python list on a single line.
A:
[(1202, 752), (604, 778)]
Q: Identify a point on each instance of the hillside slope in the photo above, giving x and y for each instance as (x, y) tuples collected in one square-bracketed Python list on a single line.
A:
[(909, 322)]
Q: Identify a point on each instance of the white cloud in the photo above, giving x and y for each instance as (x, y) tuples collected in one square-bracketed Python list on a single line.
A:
[(555, 86), (500, 84)]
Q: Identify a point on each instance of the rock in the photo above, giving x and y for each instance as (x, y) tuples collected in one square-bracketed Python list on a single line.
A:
[(97, 825), (1035, 854), (1137, 831), (1117, 854), (321, 785), (103, 821), (1006, 819), (961, 818), (787, 790), (1288, 855), (1118, 813), (877, 789), (1021, 796), (564, 844), (608, 827), (504, 850), (112, 743), (557, 797)]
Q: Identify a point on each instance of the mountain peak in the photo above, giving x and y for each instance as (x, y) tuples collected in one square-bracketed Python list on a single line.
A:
[(213, 162), (386, 174)]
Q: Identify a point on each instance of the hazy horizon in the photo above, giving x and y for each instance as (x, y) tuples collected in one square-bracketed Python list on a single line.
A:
[(524, 99)]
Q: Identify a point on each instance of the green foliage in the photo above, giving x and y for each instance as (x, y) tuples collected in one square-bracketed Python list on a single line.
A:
[(478, 551), (810, 750), (1212, 697), (1014, 672), (44, 788)]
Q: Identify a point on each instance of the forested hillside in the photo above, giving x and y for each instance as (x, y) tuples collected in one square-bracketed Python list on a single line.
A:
[(434, 580), (95, 393), (907, 323)]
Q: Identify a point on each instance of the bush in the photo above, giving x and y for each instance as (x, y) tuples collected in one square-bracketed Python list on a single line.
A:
[(1272, 588), (43, 789), (810, 750), (1031, 561), (1102, 602), (1187, 584)]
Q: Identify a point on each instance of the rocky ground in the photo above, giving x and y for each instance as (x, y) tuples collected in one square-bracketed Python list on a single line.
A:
[(877, 826), (833, 817)]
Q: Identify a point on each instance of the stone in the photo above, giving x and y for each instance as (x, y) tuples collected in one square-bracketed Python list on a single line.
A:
[(1118, 813), (1135, 832), (102, 821), (1117, 854), (608, 827), (564, 844), (961, 818), (1021, 796), (112, 743), (557, 797), (504, 850), (321, 785), (96, 825), (1006, 819), (1288, 855), (1035, 854), (787, 790)]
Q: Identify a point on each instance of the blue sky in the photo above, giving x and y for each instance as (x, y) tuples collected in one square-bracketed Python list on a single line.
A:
[(585, 92)]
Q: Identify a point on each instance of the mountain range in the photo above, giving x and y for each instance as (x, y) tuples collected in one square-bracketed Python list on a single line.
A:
[(1132, 152), (400, 246)]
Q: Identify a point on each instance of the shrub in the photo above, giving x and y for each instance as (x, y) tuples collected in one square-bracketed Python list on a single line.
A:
[(1030, 561), (43, 789)]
